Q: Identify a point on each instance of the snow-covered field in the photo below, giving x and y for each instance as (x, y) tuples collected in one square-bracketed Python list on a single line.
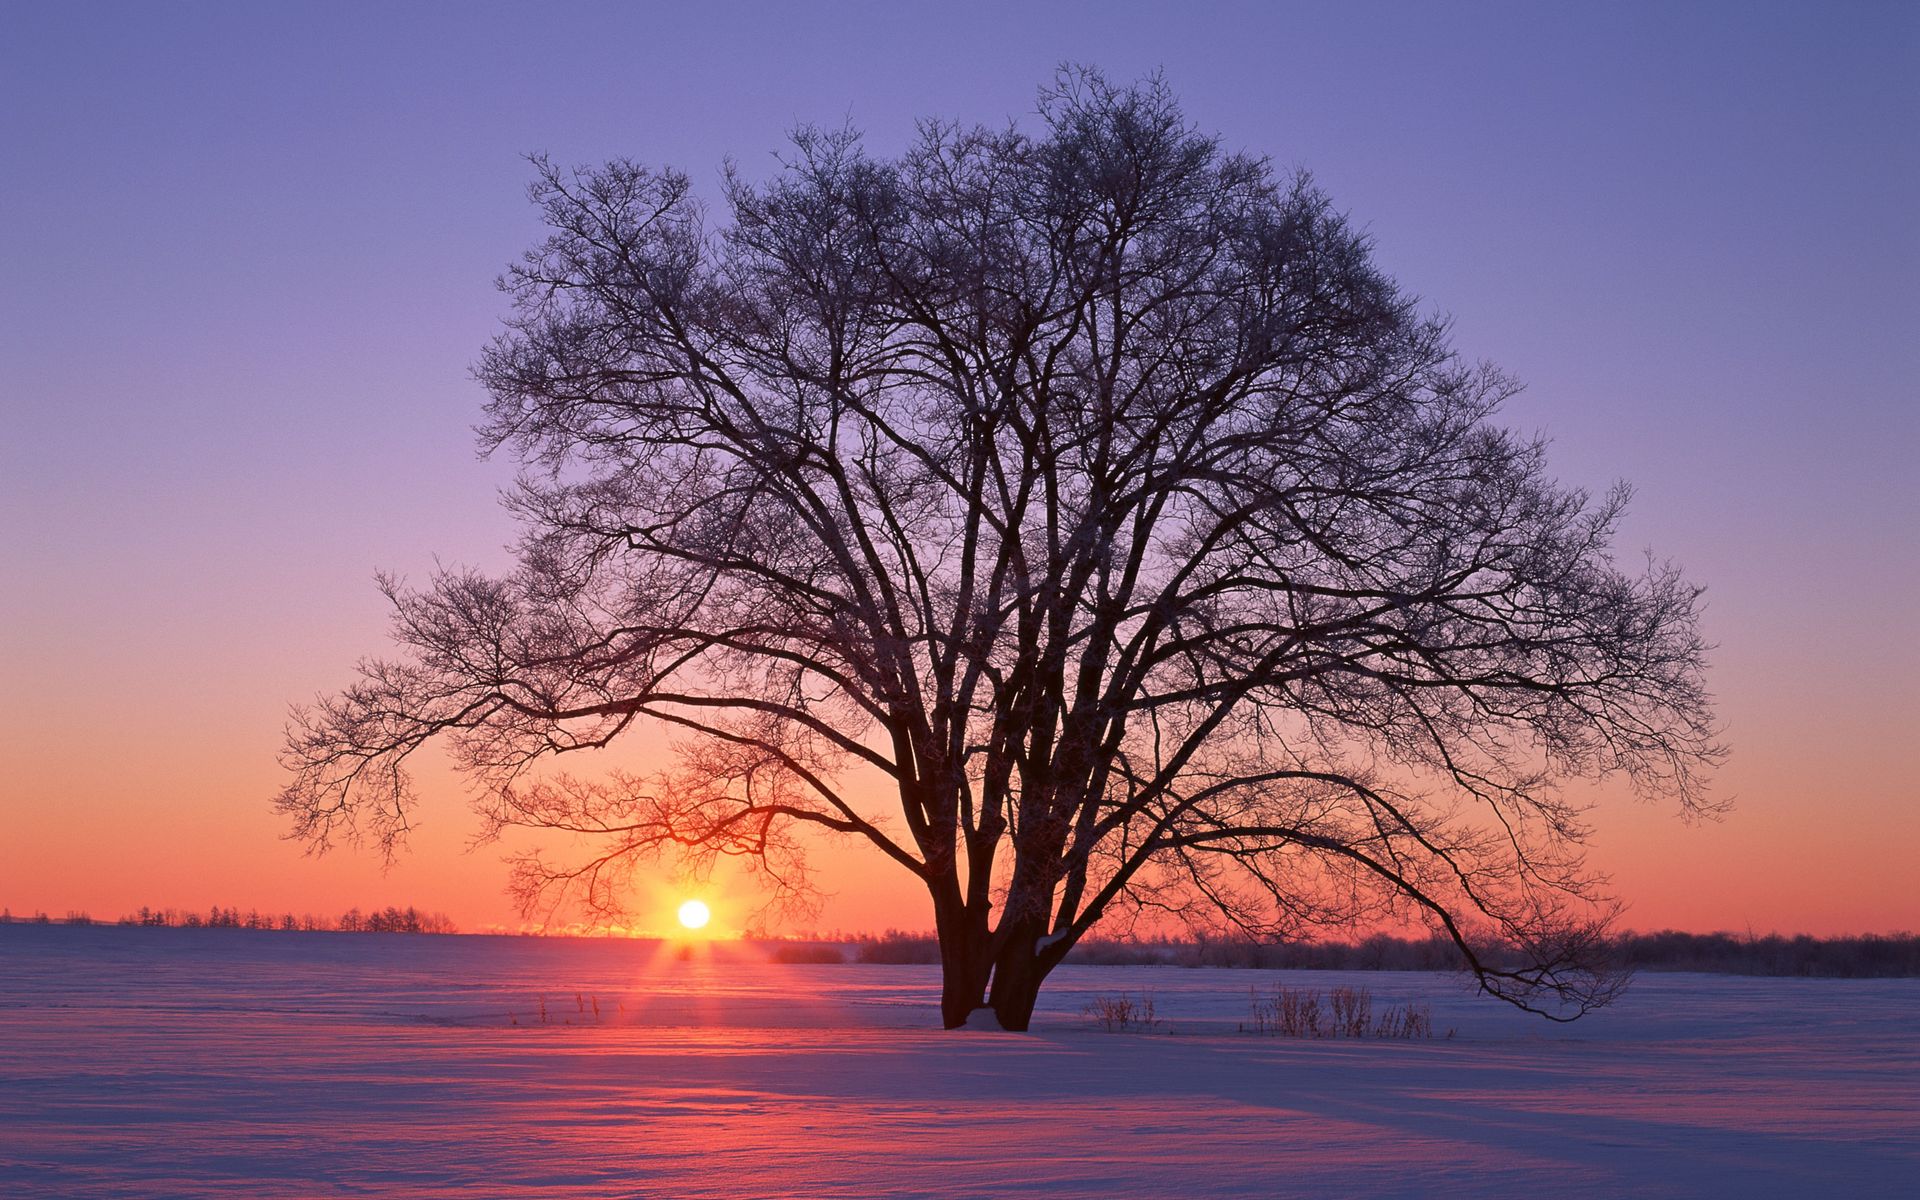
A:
[(144, 1063)]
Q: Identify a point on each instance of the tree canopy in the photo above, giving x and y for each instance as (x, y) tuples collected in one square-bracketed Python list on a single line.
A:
[(1091, 489)]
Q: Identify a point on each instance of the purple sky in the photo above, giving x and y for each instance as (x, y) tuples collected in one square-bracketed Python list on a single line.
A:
[(248, 249)]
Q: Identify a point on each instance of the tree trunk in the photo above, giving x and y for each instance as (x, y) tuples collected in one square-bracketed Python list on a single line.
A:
[(962, 969), (1017, 974), (960, 985)]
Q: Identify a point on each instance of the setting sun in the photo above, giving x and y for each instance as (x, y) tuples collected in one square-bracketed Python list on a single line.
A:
[(694, 914)]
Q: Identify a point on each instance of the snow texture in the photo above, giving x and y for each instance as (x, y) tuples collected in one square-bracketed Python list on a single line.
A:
[(224, 1063)]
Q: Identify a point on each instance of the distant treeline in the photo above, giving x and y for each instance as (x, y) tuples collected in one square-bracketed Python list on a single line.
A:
[(1870, 956), (375, 920), (1866, 957), (1374, 954)]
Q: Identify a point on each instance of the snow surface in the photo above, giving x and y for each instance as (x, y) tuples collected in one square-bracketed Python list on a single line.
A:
[(227, 1063)]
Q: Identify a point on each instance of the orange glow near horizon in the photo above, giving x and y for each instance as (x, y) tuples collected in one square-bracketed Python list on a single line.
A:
[(182, 821)]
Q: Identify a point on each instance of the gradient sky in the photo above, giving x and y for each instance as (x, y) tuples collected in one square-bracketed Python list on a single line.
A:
[(246, 255)]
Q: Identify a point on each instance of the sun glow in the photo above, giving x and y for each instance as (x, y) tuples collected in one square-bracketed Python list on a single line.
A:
[(694, 914)]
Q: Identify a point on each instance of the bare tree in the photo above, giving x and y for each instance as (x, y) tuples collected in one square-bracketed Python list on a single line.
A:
[(1091, 491)]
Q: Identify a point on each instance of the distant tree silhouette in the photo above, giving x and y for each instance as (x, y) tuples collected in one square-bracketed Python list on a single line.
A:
[(1092, 492), (389, 920)]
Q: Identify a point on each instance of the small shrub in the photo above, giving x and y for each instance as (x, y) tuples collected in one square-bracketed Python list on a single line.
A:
[(1405, 1021), (1298, 1012), (1121, 1012), (1287, 1012), (1352, 1011)]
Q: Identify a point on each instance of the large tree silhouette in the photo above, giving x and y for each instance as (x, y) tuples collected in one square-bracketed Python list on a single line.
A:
[(1092, 490)]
